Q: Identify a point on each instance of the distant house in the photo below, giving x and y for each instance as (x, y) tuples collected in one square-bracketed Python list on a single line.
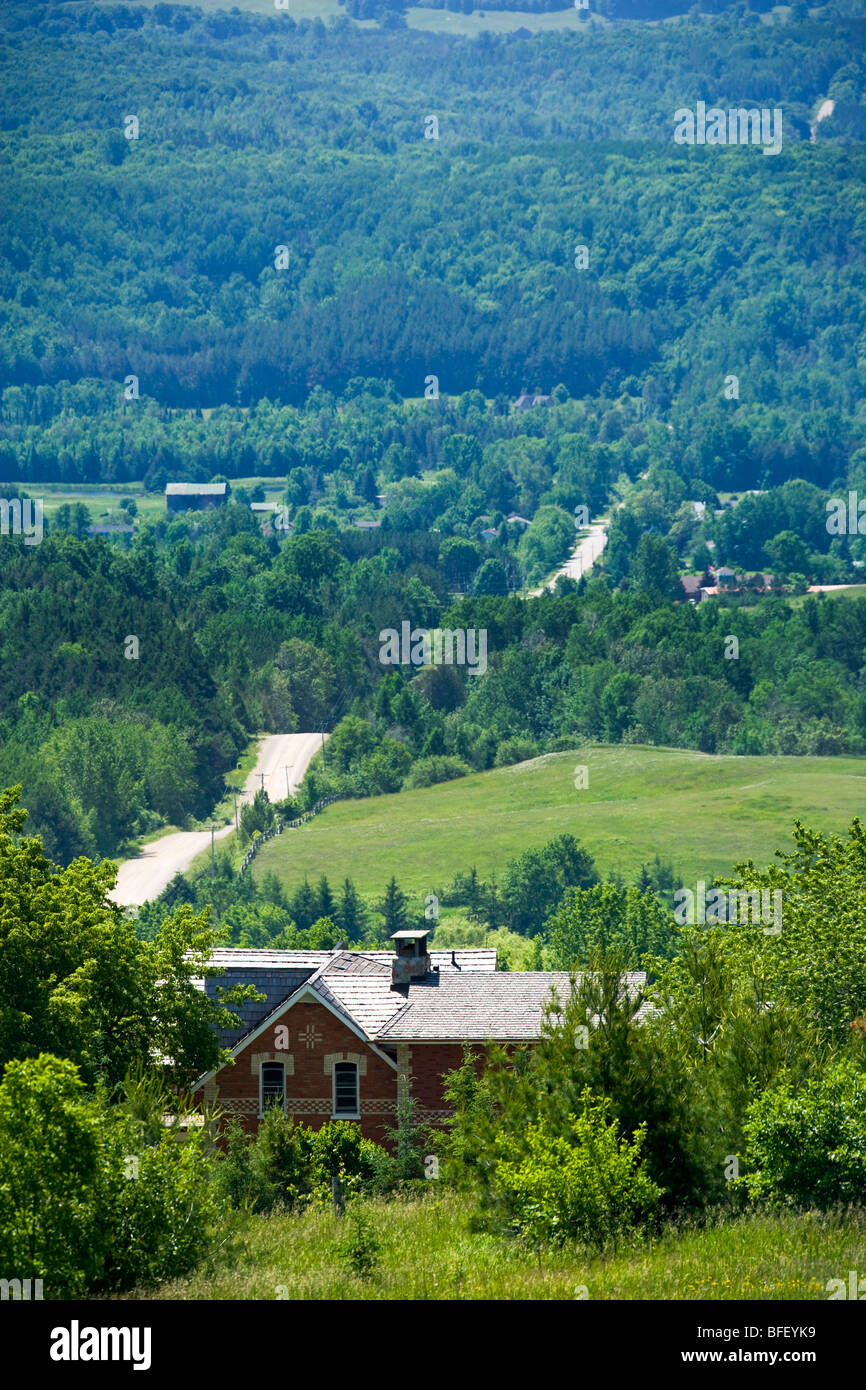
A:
[(725, 576), (194, 497), (110, 530), (382, 499), (341, 1035), (526, 402), (692, 587), (274, 518), (364, 525), (521, 520), (489, 534)]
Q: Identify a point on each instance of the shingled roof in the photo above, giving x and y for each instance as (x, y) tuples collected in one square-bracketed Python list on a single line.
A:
[(465, 999), (466, 1008), (505, 1007), (233, 957), (357, 984), (360, 987)]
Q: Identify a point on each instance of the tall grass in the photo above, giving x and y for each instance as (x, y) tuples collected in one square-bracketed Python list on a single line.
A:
[(428, 1250)]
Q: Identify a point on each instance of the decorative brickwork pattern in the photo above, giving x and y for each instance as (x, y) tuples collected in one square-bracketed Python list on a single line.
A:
[(286, 1058), (240, 1105), (357, 1057), (378, 1107), (307, 1105)]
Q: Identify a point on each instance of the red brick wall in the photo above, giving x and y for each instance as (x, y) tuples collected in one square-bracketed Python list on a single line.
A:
[(427, 1064), (238, 1087)]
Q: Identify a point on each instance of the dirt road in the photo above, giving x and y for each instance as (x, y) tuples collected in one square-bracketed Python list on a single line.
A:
[(281, 758)]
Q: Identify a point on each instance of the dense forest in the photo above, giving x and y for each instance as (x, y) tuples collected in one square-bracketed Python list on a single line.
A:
[(159, 256), (239, 633), (257, 266)]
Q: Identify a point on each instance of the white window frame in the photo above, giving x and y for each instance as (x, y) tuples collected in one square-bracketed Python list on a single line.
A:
[(345, 1114), (262, 1086)]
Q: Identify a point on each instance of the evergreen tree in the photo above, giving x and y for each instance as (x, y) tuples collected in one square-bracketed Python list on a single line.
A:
[(325, 906), (434, 744), (369, 490), (303, 907), (351, 914), (395, 909)]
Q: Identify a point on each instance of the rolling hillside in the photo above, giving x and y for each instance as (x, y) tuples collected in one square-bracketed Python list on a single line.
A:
[(699, 812)]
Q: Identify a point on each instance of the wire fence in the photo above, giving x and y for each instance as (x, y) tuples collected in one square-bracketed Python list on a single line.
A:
[(261, 837)]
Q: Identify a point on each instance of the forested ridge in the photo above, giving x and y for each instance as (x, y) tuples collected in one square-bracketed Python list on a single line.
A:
[(408, 256), (407, 259)]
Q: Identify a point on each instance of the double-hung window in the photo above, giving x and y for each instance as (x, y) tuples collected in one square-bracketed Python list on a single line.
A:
[(346, 1099), (273, 1085)]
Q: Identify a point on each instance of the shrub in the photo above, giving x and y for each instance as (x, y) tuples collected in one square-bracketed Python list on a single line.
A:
[(96, 1196), (361, 1248), (280, 1161), (808, 1147), (515, 750), (162, 1212), (49, 1165), (588, 1185), (441, 768), (287, 1164)]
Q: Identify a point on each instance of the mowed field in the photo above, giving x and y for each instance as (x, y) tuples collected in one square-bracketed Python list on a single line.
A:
[(103, 499), (700, 813)]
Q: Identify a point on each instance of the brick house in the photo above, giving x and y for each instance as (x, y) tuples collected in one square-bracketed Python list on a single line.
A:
[(339, 1032)]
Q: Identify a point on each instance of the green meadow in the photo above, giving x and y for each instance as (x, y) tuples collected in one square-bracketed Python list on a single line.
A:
[(428, 1250), (700, 812), (103, 499)]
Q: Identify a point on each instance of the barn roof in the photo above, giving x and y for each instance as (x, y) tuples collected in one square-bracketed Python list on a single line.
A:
[(195, 489)]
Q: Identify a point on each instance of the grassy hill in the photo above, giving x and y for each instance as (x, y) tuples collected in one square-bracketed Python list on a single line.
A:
[(699, 812)]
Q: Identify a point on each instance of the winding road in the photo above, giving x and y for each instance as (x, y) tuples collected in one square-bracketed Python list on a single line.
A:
[(282, 761)]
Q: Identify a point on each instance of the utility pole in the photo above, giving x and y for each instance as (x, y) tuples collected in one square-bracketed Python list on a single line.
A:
[(212, 853), (262, 775), (235, 795), (322, 732), (288, 792)]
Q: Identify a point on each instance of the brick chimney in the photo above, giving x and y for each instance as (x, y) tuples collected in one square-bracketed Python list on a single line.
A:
[(411, 961)]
